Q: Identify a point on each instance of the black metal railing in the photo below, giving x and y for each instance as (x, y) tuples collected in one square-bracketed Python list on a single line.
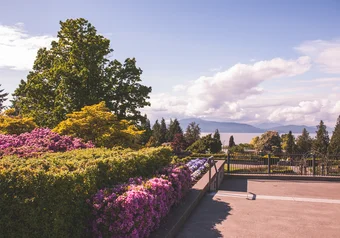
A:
[(309, 164)]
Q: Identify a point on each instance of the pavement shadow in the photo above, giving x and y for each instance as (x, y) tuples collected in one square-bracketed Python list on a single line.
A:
[(235, 184), (202, 222)]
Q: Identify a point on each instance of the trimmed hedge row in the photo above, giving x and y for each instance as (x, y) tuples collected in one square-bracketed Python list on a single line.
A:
[(46, 196)]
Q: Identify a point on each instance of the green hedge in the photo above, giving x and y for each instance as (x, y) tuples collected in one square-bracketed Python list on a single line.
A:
[(46, 197)]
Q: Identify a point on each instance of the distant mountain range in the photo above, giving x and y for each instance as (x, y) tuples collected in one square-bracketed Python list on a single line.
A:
[(233, 127)]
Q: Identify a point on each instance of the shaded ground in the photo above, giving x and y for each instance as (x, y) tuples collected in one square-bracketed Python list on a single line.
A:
[(275, 212)]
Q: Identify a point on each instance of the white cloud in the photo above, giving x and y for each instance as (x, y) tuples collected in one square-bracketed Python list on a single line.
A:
[(18, 49), (222, 95), (179, 88), (324, 53), (240, 82)]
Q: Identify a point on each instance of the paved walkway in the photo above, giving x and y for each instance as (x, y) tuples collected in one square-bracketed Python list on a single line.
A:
[(267, 208)]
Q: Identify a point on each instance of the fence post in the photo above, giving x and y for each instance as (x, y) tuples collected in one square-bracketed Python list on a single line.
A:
[(313, 164), (269, 163), (228, 163)]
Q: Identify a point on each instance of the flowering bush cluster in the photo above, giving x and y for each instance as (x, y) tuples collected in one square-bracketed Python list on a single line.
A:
[(136, 208), (198, 167), (37, 141)]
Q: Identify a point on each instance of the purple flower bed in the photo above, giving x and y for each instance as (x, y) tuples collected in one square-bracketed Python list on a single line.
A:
[(197, 168), (37, 141), (136, 208)]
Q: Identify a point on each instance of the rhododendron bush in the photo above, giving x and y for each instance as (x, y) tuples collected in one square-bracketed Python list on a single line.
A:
[(46, 196), (37, 141), (135, 209)]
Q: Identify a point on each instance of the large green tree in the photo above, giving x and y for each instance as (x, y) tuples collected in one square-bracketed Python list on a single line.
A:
[(3, 98), (146, 127), (75, 72), (164, 131), (231, 142), (288, 142), (334, 146), (156, 133), (192, 133), (321, 141), (174, 128), (270, 141), (304, 142)]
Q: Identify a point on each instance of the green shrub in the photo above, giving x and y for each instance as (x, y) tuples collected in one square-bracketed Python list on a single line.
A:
[(46, 196)]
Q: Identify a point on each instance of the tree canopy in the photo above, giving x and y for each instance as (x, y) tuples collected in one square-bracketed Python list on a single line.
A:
[(321, 141), (304, 142), (269, 141), (231, 142), (3, 98), (76, 72), (97, 124), (192, 133), (174, 128), (334, 146)]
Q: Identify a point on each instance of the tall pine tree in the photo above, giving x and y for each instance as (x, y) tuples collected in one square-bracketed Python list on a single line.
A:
[(304, 142), (164, 131), (145, 125), (2, 98), (290, 149), (334, 146), (218, 144), (192, 133), (321, 141), (174, 128), (231, 142), (156, 133)]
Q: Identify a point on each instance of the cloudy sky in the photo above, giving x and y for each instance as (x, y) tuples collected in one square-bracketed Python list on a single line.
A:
[(242, 61)]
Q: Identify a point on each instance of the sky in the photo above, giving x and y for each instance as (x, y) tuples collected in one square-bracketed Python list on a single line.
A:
[(240, 61)]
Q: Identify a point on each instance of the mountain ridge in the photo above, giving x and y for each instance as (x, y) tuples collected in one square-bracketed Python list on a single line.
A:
[(235, 127)]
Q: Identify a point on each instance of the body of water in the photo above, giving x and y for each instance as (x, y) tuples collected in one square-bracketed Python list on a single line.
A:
[(246, 137)]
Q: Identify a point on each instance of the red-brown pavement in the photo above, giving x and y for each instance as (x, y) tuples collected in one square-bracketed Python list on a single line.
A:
[(280, 209)]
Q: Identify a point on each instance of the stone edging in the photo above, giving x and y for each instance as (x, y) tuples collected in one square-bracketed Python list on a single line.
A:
[(178, 215), (283, 177)]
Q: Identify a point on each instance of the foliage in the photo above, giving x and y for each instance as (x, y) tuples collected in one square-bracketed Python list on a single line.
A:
[(76, 72), (321, 141), (37, 142), (163, 132), (217, 146), (97, 124), (174, 128), (15, 124), (156, 133), (137, 208), (231, 142), (192, 133), (288, 142), (304, 142), (48, 194), (2, 98), (205, 144), (334, 145), (146, 127), (255, 143), (270, 141), (178, 144)]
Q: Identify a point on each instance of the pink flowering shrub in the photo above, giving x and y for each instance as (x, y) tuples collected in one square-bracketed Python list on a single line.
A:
[(136, 209), (37, 141)]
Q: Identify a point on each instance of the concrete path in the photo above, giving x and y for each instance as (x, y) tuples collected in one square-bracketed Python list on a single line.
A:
[(267, 208)]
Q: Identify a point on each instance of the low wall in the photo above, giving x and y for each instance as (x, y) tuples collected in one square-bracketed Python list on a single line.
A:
[(179, 214)]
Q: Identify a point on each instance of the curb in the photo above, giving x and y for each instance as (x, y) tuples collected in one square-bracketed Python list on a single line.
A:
[(283, 177)]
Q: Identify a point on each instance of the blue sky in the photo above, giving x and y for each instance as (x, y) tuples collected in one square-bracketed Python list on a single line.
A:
[(245, 61)]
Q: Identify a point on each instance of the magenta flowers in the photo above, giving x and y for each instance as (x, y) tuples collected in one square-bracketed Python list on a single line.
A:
[(37, 141), (136, 209)]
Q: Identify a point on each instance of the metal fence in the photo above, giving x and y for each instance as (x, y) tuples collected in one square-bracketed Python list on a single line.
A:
[(284, 164)]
